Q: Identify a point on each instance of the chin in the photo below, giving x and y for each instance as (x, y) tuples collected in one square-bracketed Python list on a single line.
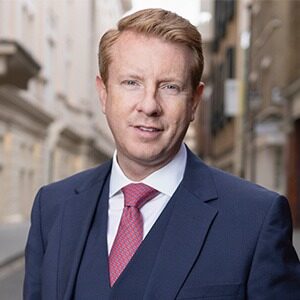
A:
[(152, 158)]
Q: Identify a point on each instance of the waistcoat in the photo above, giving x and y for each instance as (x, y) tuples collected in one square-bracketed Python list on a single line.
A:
[(93, 278)]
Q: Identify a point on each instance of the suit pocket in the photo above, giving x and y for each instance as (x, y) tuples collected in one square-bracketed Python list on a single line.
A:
[(224, 291)]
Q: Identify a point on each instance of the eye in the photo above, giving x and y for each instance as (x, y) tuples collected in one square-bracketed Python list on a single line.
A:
[(171, 88), (130, 83)]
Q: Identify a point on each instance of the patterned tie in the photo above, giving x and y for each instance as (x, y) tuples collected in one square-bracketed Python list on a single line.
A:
[(130, 231)]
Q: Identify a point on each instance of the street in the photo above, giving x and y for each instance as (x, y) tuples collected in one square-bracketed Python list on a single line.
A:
[(11, 280)]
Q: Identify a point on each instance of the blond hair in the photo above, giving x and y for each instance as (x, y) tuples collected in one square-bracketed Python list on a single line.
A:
[(158, 23)]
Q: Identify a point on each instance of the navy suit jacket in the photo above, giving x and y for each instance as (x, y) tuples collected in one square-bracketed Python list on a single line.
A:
[(226, 239)]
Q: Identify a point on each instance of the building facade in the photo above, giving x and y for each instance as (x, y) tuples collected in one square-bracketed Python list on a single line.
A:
[(220, 139), (273, 98), (50, 118), (250, 121)]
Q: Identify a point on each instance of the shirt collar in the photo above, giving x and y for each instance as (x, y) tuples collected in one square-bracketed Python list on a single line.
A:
[(165, 180)]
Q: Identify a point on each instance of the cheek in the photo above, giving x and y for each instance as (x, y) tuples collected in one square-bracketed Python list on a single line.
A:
[(114, 107), (121, 102), (179, 114), (113, 114)]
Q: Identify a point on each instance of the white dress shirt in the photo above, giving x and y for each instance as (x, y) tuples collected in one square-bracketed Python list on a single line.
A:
[(164, 180)]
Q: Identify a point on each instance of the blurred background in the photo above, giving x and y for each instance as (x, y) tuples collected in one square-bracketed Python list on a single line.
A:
[(51, 124)]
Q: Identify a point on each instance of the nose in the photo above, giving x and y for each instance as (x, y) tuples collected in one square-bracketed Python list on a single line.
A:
[(149, 104)]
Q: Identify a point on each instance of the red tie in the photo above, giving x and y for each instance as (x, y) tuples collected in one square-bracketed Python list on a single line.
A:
[(130, 231)]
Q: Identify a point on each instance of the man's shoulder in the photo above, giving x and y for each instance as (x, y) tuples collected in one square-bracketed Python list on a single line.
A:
[(230, 189), (239, 200), (51, 199), (230, 184), (78, 181), (245, 200)]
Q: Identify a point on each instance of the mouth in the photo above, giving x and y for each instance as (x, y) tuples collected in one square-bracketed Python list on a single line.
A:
[(148, 128)]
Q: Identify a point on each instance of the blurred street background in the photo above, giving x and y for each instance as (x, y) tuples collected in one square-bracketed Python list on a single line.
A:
[(51, 124)]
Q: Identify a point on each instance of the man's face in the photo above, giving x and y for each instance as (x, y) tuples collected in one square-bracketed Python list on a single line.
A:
[(148, 100)]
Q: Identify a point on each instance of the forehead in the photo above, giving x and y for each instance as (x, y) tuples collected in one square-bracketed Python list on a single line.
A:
[(132, 47)]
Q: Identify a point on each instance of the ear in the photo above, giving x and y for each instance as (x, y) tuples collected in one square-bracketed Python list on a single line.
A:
[(102, 92), (197, 96)]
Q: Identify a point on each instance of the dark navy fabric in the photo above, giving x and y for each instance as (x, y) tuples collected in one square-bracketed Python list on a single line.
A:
[(134, 280), (92, 280), (223, 238)]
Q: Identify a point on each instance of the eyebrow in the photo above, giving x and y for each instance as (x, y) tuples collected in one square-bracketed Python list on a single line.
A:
[(171, 79), (163, 79), (132, 75)]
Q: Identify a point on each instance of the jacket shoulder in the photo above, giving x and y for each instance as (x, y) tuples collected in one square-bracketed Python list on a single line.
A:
[(50, 198), (78, 181), (227, 188), (233, 187)]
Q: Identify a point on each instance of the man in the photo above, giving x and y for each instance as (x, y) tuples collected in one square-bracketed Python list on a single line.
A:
[(187, 231)]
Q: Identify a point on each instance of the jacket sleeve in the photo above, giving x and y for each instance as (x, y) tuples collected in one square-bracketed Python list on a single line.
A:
[(34, 252), (275, 270)]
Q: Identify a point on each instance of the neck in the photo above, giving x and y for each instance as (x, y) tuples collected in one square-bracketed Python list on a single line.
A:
[(137, 171)]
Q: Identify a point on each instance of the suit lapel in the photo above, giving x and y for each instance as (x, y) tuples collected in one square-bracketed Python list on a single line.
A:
[(78, 215), (183, 240), (186, 232)]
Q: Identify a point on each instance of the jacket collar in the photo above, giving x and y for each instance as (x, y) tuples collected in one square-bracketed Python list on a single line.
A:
[(191, 220), (77, 218), (184, 238)]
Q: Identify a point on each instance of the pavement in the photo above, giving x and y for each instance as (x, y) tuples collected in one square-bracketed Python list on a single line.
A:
[(13, 238), (296, 240), (12, 242)]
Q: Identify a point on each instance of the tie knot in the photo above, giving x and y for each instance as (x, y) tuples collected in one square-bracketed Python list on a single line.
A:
[(137, 194)]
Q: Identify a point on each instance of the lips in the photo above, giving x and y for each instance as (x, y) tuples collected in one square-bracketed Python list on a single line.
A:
[(147, 128)]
